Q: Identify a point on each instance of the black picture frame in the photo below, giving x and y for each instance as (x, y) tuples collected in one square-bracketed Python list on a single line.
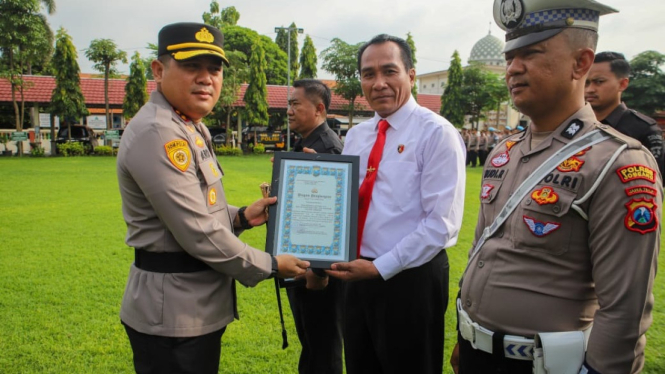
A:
[(337, 176)]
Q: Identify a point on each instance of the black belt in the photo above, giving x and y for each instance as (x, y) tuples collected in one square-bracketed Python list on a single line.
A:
[(167, 262)]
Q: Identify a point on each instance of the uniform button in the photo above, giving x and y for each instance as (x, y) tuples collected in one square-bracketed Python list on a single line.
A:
[(481, 264), (525, 159), (556, 209), (528, 202), (468, 302)]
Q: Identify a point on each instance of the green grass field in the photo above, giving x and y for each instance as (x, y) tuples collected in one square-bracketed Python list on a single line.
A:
[(63, 267)]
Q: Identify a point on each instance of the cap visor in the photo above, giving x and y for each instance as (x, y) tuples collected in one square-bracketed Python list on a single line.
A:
[(186, 55), (529, 39)]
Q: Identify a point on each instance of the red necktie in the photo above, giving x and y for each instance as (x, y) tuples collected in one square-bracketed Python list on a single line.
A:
[(365, 192)]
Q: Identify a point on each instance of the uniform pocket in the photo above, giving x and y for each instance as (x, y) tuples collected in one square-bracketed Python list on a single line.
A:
[(545, 226), (403, 188)]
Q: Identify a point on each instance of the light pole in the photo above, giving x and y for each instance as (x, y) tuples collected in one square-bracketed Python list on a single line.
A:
[(288, 75)]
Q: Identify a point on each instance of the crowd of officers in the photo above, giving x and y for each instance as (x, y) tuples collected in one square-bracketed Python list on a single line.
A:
[(480, 143)]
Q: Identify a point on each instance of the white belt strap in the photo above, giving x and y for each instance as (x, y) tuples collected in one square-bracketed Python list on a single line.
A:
[(570, 149)]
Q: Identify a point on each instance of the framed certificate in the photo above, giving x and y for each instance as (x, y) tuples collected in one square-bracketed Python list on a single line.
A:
[(316, 214)]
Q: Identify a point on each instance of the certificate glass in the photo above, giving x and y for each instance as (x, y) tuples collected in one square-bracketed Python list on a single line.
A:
[(315, 217)]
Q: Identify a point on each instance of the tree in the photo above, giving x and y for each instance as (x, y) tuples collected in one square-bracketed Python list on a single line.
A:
[(646, 91), (147, 62), (412, 45), (256, 96), (105, 54), (476, 92), (234, 75), (308, 59), (136, 88), (283, 42), (340, 59), (452, 102), (67, 99), (230, 16), (499, 93), (227, 16), (25, 39)]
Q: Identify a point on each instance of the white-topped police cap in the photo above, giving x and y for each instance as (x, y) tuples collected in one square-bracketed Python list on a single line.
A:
[(528, 22)]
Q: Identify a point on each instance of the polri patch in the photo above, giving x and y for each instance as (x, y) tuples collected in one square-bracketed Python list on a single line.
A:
[(487, 188), (179, 154), (633, 172), (539, 228), (570, 165), (545, 195), (641, 216), (572, 129), (643, 189), (501, 159)]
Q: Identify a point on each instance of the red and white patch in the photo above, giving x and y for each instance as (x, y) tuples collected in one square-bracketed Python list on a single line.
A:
[(641, 216), (400, 148), (501, 159), (643, 189), (487, 188), (634, 172)]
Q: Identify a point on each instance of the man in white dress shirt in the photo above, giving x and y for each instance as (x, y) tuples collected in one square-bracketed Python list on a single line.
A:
[(397, 293)]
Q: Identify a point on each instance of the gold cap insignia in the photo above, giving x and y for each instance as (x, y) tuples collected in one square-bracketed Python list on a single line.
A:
[(204, 36), (570, 21)]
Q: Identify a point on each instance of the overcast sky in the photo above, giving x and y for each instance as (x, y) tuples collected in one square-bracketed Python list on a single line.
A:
[(438, 27)]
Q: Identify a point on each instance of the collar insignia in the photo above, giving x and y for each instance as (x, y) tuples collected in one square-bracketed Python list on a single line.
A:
[(510, 144), (572, 129), (199, 142), (540, 229)]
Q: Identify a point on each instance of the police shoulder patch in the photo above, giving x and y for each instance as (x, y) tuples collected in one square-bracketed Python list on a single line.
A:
[(642, 189), (179, 154), (641, 216), (634, 172)]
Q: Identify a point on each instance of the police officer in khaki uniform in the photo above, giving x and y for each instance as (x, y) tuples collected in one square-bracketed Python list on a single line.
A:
[(180, 294), (608, 78), (575, 261)]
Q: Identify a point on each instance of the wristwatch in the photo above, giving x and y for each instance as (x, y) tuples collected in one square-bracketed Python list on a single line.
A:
[(244, 223), (275, 267)]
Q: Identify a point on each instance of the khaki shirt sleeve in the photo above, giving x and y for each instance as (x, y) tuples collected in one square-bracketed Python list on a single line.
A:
[(180, 204), (624, 256)]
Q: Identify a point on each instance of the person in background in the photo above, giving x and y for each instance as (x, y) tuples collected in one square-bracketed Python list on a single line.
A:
[(608, 78)]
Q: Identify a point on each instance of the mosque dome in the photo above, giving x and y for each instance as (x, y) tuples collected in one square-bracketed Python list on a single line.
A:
[(488, 51)]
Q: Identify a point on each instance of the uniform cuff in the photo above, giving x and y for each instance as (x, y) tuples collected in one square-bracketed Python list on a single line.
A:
[(388, 265)]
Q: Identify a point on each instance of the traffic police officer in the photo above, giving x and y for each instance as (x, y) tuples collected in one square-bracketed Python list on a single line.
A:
[(577, 246), (608, 78), (317, 305), (180, 294)]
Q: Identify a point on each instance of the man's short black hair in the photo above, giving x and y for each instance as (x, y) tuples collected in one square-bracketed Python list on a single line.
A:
[(315, 90), (404, 48), (618, 64)]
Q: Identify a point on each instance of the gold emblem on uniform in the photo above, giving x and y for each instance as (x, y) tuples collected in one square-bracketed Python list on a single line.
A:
[(204, 36), (214, 169), (510, 144), (571, 164), (179, 154), (199, 142), (212, 196), (545, 195)]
